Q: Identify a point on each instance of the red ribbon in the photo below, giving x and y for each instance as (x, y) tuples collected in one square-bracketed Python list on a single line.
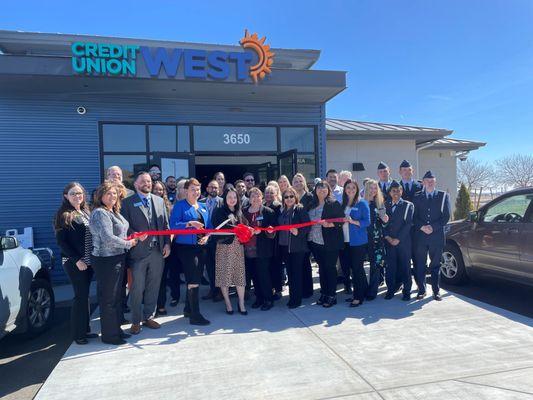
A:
[(243, 232)]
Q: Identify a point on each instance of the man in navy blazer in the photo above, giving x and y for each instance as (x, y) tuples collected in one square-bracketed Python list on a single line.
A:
[(432, 213), (397, 235), (212, 201)]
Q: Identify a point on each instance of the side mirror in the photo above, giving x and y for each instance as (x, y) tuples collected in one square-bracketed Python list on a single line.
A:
[(473, 216), (9, 243)]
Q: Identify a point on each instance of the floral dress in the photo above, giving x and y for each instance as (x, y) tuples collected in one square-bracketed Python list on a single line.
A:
[(376, 241)]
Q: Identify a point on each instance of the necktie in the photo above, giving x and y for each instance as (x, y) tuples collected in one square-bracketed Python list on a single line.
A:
[(393, 207), (145, 201)]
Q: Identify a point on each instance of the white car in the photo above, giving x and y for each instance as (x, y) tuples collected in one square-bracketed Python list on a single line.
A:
[(26, 295)]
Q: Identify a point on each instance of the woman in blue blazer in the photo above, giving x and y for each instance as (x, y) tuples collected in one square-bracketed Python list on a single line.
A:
[(358, 219), (188, 213)]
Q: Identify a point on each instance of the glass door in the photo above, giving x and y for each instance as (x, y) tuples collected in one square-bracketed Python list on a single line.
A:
[(288, 163), (179, 165)]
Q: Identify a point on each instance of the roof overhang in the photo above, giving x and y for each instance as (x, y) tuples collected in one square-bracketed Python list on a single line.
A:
[(419, 137), (53, 75)]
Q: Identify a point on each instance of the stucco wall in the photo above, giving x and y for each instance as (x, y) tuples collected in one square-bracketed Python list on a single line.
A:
[(341, 154), (444, 165)]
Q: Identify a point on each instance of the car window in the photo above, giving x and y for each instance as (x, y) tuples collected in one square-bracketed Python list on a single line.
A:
[(511, 209)]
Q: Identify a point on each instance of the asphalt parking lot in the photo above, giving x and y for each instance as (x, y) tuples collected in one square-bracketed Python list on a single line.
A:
[(25, 363)]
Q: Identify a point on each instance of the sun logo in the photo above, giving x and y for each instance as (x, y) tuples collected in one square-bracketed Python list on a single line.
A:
[(266, 57)]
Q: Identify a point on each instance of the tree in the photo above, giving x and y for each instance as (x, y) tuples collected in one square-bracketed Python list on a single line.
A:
[(463, 204), (474, 174), (516, 170)]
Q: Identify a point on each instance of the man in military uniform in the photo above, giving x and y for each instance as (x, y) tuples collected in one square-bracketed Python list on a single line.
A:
[(409, 185), (384, 180), (397, 235), (432, 213)]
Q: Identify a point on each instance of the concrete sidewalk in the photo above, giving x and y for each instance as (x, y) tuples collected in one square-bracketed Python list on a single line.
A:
[(454, 349)]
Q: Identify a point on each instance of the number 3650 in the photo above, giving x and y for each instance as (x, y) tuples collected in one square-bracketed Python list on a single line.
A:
[(236, 138)]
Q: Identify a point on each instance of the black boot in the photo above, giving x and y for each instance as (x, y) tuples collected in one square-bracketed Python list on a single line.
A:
[(195, 318), (187, 308)]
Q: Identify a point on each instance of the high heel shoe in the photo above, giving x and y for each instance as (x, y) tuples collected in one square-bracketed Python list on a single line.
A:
[(229, 312), (242, 312)]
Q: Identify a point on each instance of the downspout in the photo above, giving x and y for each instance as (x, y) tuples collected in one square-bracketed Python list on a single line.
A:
[(423, 147)]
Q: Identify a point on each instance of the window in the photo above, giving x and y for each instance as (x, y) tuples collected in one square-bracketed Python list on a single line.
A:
[(124, 138), (301, 139), (162, 138), (511, 209), (130, 164), (184, 140), (307, 166), (235, 138)]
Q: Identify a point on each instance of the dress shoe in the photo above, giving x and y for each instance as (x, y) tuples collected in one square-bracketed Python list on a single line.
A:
[(420, 296), (406, 297), (355, 303), (135, 329), (91, 335), (267, 306), (150, 323), (114, 341), (241, 311), (389, 296), (437, 297), (329, 301), (321, 300), (256, 304), (81, 341), (174, 303)]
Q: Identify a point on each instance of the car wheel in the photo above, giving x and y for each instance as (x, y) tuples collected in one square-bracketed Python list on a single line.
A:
[(41, 305), (452, 266)]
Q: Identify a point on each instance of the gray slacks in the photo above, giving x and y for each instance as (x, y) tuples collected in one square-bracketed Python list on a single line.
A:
[(146, 274)]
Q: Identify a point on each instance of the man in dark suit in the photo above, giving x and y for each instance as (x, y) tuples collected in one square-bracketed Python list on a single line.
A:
[(397, 235), (212, 201), (384, 180), (432, 213), (145, 212)]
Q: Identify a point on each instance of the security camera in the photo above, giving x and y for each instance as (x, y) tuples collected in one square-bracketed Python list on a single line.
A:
[(81, 110)]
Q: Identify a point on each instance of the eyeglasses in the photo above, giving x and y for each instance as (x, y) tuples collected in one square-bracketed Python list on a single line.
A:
[(75, 194), (250, 180), (289, 197)]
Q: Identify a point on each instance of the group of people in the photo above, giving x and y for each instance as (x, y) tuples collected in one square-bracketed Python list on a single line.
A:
[(385, 222)]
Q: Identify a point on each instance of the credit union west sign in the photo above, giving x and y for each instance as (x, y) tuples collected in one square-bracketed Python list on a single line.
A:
[(107, 59)]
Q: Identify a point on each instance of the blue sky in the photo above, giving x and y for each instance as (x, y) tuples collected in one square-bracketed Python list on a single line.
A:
[(463, 65)]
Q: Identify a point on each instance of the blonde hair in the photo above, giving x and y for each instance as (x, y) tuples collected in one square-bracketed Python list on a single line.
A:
[(302, 177), (275, 185), (379, 196)]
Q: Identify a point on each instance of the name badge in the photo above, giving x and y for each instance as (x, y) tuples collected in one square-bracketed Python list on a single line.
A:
[(139, 204)]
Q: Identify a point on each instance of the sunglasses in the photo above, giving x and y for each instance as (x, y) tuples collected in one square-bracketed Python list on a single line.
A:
[(289, 197)]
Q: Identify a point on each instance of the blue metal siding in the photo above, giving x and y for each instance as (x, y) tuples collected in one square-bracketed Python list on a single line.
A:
[(44, 144)]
